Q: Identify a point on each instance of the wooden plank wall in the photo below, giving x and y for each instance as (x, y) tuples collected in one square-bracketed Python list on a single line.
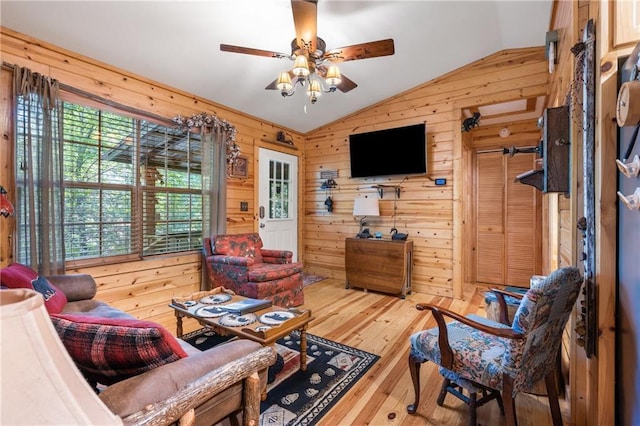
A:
[(7, 225), (612, 21), (427, 212), (561, 210), (592, 381), (424, 210), (142, 288)]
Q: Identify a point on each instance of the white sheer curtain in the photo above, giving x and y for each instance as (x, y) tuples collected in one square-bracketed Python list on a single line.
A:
[(39, 190)]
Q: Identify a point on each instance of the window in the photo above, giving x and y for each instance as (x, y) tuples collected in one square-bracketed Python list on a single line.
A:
[(132, 187), (278, 190)]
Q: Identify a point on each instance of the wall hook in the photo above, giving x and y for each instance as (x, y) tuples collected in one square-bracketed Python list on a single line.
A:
[(630, 169), (631, 201)]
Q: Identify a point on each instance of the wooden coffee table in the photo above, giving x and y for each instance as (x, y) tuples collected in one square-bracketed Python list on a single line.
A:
[(269, 325)]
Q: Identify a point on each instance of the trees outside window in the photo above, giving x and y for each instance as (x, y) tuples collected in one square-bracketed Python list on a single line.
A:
[(132, 187)]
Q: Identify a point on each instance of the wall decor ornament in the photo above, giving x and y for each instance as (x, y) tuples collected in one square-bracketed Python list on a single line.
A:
[(6, 208), (204, 120), (239, 168), (587, 326)]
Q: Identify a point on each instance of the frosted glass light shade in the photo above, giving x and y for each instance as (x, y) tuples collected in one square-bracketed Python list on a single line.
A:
[(40, 383), (366, 207)]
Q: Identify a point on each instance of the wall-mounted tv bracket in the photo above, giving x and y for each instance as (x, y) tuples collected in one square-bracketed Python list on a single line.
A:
[(554, 150)]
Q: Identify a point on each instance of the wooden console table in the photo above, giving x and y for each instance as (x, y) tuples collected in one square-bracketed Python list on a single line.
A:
[(379, 265)]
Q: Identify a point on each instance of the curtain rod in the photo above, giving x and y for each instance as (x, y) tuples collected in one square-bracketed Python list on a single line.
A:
[(105, 101)]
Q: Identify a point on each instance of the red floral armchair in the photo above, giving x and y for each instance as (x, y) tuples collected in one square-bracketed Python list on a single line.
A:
[(239, 263)]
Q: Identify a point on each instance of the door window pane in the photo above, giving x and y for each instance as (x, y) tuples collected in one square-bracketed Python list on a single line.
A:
[(278, 190)]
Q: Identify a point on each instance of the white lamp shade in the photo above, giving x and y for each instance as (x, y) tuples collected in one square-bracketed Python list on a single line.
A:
[(333, 77), (284, 82), (301, 66), (40, 383), (366, 207), (315, 89)]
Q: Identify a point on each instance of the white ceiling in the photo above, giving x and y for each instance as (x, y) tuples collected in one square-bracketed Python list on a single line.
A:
[(177, 43)]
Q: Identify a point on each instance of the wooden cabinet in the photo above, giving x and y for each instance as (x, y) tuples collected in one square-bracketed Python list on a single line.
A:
[(379, 265)]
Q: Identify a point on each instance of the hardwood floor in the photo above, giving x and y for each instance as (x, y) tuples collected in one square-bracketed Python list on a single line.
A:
[(382, 324)]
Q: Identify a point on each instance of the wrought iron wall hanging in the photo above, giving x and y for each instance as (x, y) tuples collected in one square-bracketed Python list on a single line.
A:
[(584, 51)]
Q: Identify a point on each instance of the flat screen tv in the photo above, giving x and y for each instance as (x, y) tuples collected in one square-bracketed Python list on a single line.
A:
[(398, 151)]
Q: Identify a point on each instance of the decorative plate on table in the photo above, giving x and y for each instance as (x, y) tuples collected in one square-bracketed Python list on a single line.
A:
[(189, 303), (210, 312), (214, 299), (276, 317), (233, 320)]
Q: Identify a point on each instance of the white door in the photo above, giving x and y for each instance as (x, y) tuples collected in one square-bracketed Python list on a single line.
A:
[(278, 201)]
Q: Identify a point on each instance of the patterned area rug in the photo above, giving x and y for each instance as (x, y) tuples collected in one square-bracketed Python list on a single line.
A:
[(302, 397), (308, 279)]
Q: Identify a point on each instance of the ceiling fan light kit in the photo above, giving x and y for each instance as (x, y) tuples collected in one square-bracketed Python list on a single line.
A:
[(304, 76), (310, 57), (301, 66), (284, 82)]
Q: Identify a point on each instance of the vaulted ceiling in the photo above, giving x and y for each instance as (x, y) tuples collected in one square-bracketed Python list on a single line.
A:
[(177, 43)]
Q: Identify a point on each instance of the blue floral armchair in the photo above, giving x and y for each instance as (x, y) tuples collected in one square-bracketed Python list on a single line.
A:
[(489, 355)]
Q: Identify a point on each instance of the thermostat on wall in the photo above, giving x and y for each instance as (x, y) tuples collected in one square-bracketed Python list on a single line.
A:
[(441, 181)]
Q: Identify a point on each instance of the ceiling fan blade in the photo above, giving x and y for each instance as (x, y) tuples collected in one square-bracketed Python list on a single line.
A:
[(272, 85), (372, 49), (346, 84), (251, 51), (305, 19)]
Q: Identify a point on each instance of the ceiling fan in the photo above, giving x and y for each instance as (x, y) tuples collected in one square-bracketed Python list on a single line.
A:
[(312, 61)]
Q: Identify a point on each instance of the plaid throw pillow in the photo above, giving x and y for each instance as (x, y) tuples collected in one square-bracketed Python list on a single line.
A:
[(108, 350)]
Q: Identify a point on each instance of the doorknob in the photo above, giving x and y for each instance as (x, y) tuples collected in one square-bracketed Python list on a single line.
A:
[(262, 225), (261, 212)]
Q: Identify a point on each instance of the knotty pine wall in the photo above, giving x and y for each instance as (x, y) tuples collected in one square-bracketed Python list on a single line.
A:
[(562, 211), (592, 380), (431, 215), (145, 287)]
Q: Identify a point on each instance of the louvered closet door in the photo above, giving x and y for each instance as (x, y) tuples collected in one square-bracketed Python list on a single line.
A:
[(522, 232), (489, 192), (505, 221)]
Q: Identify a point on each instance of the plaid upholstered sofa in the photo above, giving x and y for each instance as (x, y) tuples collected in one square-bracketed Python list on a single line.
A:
[(143, 373), (239, 263)]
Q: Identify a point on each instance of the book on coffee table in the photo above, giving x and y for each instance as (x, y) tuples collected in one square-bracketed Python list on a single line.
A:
[(246, 306)]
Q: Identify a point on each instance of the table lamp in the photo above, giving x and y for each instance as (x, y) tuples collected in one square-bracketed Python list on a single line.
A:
[(40, 383), (364, 207)]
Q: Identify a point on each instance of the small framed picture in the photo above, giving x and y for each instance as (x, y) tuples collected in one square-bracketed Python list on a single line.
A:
[(239, 168)]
